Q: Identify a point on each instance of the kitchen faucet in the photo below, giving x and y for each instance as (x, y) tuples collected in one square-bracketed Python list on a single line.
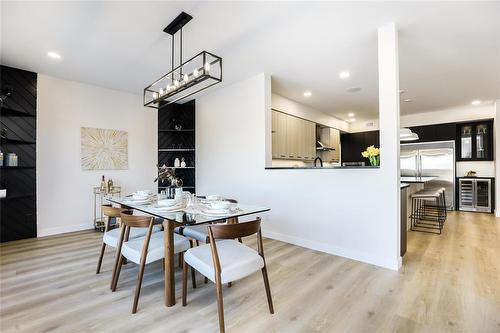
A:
[(320, 161)]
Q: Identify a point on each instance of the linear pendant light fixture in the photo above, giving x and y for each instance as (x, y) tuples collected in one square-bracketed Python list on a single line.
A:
[(190, 77)]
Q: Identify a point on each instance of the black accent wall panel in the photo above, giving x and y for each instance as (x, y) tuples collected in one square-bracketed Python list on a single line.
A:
[(18, 123), (177, 139)]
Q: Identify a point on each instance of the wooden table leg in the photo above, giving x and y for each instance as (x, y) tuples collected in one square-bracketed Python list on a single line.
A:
[(168, 233)]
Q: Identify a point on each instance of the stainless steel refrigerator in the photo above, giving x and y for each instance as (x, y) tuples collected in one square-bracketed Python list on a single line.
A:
[(431, 159)]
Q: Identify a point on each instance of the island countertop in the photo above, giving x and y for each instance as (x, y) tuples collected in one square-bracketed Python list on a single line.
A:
[(417, 179)]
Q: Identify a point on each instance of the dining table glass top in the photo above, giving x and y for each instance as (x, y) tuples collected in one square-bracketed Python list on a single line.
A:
[(188, 211)]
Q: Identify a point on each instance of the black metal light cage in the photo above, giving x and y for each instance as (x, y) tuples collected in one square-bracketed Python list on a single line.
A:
[(192, 76)]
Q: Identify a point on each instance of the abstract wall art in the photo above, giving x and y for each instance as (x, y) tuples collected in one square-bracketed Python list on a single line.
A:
[(104, 149)]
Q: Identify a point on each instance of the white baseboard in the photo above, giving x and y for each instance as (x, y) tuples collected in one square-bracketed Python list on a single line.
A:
[(64, 229), (497, 213), (342, 252)]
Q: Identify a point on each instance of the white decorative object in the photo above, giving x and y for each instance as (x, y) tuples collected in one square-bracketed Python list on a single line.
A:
[(177, 163), (104, 149), (183, 163)]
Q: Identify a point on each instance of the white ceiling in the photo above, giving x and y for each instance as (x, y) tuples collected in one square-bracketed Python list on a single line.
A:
[(449, 51)]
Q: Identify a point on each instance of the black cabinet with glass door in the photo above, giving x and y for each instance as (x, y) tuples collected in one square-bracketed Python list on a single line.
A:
[(475, 141)]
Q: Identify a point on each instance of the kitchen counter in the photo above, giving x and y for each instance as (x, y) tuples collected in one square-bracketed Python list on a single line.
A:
[(420, 180), (404, 185), (327, 167)]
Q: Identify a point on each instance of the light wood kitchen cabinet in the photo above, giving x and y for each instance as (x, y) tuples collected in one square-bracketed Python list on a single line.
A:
[(292, 137), (279, 135), (331, 137)]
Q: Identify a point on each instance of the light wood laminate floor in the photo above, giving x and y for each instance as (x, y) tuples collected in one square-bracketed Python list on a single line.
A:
[(449, 283)]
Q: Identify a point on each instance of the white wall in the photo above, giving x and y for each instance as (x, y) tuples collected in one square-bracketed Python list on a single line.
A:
[(64, 190), (343, 212)]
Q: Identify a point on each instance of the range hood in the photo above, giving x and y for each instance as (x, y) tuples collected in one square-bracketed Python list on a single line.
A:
[(321, 146)]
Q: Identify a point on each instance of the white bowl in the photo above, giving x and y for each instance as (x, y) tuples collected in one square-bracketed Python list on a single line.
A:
[(213, 197), (143, 193), (167, 202), (220, 205)]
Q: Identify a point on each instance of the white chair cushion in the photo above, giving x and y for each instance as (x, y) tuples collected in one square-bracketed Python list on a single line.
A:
[(112, 237), (236, 260), (132, 249)]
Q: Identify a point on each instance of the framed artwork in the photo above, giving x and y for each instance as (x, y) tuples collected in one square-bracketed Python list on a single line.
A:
[(104, 149)]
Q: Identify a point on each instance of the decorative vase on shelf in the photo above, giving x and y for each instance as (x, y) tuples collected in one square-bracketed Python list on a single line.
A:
[(373, 155), (183, 162), (177, 162)]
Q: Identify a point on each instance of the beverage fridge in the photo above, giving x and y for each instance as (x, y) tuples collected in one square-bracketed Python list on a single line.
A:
[(431, 159)]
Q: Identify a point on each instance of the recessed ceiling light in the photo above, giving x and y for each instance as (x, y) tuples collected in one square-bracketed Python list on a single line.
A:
[(350, 114), (344, 75), (402, 91), (408, 100), (53, 55), (307, 93), (352, 120), (353, 89), (476, 102)]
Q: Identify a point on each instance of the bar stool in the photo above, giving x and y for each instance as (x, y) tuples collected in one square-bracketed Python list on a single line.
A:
[(428, 210)]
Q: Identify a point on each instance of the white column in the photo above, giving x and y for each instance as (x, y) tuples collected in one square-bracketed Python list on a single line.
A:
[(496, 154), (388, 80)]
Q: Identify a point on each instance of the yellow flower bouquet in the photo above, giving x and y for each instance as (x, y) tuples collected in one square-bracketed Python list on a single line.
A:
[(373, 155)]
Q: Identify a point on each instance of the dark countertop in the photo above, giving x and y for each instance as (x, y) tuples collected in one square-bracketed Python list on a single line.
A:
[(328, 167)]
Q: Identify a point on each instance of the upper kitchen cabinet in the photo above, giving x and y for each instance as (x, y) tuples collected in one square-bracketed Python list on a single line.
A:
[(475, 141), (330, 137), (292, 137)]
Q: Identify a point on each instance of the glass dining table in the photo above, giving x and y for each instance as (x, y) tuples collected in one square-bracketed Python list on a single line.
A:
[(195, 214)]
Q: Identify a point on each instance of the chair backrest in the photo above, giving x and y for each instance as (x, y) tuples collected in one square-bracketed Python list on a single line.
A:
[(111, 211), (130, 220), (232, 231)]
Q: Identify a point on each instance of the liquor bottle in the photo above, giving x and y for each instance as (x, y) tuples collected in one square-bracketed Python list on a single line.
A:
[(103, 184), (110, 185)]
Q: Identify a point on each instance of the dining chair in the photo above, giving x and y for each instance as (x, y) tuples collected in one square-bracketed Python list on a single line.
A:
[(199, 233), (112, 233), (142, 250), (224, 260)]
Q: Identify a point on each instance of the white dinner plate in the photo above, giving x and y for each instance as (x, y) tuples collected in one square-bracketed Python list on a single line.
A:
[(159, 208), (138, 202)]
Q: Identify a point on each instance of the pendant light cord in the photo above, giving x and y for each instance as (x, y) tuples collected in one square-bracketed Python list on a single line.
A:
[(180, 55)]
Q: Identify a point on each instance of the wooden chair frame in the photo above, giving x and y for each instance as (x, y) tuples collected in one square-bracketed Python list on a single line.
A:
[(109, 212), (130, 221), (230, 231)]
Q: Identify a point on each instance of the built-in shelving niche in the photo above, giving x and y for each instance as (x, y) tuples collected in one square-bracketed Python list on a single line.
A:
[(18, 123), (178, 142)]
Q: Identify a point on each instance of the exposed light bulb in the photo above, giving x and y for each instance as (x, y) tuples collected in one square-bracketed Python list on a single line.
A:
[(307, 93), (155, 95), (207, 66), (476, 102), (195, 72), (176, 83), (161, 91), (186, 78), (169, 87), (350, 114)]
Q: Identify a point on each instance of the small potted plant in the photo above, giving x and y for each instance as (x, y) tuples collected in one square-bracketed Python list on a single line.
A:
[(373, 155)]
